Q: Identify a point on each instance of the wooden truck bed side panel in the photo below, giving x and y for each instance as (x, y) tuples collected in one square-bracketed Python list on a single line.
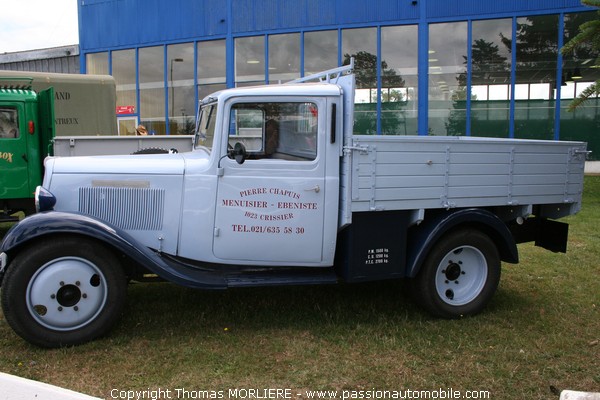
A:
[(409, 172)]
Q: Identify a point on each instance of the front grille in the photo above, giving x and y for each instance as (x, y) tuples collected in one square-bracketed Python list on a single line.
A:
[(125, 207)]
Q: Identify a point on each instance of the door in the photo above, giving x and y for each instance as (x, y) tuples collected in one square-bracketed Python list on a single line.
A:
[(271, 208), (14, 173)]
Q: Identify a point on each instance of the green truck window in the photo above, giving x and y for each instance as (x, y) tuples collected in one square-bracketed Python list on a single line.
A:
[(9, 123)]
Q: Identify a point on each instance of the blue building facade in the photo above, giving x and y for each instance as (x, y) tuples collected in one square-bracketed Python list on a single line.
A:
[(426, 67)]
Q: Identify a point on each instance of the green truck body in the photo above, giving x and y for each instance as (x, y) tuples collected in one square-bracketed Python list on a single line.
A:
[(26, 131)]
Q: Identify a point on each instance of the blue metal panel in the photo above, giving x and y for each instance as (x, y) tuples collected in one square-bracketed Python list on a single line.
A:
[(359, 11), (455, 8), (109, 24), (264, 15), (130, 23), (319, 12)]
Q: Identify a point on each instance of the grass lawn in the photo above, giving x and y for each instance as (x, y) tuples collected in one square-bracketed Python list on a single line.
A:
[(540, 335)]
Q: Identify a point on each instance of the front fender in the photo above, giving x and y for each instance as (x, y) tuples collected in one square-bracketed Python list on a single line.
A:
[(45, 224), (424, 236)]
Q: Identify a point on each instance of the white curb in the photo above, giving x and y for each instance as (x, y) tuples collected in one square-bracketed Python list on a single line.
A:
[(573, 395), (592, 167), (15, 388)]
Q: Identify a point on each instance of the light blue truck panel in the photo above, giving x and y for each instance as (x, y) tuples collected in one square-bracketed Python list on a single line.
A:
[(409, 172)]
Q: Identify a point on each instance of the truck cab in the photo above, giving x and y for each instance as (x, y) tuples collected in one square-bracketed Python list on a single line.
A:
[(276, 167), (26, 123)]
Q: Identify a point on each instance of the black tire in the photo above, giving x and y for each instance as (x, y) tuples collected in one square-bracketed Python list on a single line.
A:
[(459, 276), (63, 291)]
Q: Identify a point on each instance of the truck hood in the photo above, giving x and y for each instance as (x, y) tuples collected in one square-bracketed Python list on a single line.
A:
[(170, 164), (150, 164), (140, 194)]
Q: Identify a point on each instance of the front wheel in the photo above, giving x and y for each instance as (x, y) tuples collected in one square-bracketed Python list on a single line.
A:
[(459, 276), (64, 291)]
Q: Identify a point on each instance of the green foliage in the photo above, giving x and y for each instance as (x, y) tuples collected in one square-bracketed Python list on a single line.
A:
[(589, 39)]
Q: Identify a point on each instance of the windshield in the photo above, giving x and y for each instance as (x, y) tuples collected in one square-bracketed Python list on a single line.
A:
[(205, 130)]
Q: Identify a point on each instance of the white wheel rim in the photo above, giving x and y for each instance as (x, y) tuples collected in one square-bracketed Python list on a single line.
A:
[(66, 294), (461, 275)]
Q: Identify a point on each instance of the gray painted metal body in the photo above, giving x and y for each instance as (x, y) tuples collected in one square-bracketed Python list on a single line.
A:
[(111, 145), (412, 173)]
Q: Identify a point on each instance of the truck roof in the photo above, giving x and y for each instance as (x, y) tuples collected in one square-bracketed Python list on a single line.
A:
[(8, 92), (291, 89)]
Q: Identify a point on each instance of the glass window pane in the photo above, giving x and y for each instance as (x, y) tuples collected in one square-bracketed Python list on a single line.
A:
[(212, 67), (123, 70), (250, 61), (447, 78), (182, 108), (283, 131), (362, 45), (284, 57), (9, 123), (320, 51), (97, 63), (580, 72), (152, 90), (399, 80), (537, 52), (490, 77)]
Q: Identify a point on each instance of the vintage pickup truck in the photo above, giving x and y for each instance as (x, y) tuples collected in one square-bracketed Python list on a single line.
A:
[(279, 191)]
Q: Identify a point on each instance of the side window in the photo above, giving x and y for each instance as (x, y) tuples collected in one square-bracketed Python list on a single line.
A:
[(284, 131), (9, 123)]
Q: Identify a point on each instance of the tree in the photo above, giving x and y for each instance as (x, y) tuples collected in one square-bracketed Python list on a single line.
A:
[(365, 72), (588, 38), (486, 63)]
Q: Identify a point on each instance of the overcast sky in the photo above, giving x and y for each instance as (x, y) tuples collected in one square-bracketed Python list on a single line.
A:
[(37, 24)]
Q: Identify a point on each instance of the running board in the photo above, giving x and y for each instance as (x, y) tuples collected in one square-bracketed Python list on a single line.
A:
[(285, 276), (228, 276)]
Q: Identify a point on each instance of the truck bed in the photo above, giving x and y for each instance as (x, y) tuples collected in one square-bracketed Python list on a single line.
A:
[(416, 172)]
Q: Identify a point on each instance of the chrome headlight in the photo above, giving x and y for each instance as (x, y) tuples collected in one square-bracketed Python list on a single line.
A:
[(44, 200)]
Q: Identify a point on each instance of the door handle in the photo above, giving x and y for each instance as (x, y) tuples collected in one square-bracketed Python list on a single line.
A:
[(315, 188)]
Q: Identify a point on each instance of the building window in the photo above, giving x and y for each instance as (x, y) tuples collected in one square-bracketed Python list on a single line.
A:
[(123, 70), (579, 72), (97, 63), (491, 77), (212, 67), (537, 52), (152, 89), (250, 61), (181, 89), (320, 51), (284, 57), (362, 45), (399, 60), (447, 78)]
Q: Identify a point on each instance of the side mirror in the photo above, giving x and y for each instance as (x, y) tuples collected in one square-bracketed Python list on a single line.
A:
[(238, 153)]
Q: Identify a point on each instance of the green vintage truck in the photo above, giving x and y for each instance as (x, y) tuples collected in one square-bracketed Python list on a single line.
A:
[(26, 130)]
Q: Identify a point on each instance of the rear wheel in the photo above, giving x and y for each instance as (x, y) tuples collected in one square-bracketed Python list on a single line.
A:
[(459, 276), (65, 291)]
